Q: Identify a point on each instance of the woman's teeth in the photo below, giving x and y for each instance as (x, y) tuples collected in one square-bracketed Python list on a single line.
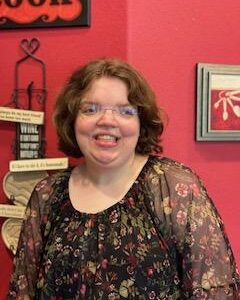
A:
[(106, 137)]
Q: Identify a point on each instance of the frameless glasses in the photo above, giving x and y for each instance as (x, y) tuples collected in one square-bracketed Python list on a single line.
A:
[(94, 109)]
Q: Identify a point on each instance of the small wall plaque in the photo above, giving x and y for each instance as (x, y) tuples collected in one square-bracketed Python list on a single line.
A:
[(38, 164), (12, 211), (21, 115)]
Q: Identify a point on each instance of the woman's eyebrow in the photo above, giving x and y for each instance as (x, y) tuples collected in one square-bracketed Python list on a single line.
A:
[(88, 102)]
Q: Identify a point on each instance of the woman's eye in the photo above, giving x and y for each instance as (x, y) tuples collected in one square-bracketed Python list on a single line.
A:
[(128, 110), (89, 109)]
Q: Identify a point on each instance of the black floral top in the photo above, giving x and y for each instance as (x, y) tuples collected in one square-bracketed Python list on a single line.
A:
[(163, 240)]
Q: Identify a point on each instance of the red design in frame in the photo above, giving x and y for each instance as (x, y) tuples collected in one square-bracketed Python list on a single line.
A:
[(225, 110)]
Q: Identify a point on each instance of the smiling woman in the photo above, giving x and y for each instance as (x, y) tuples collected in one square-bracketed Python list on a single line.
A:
[(107, 136), (134, 91), (125, 223)]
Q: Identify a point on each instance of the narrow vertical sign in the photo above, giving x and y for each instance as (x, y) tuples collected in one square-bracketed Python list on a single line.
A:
[(29, 144)]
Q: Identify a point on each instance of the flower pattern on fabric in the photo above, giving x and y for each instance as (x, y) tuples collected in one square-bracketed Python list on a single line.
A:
[(163, 240)]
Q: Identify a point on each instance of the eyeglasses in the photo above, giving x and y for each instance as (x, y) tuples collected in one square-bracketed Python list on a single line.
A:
[(94, 109)]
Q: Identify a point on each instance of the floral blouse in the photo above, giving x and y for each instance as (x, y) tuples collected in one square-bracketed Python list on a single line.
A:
[(163, 240)]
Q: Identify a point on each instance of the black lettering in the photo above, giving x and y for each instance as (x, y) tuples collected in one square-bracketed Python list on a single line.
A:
[(36, 3), (66, 2), (13, 3), (63, 2)]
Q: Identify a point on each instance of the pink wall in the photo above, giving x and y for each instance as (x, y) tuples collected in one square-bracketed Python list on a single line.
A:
[(165, 39)]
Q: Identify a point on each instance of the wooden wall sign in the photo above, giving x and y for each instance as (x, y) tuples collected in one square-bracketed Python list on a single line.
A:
[(38, 164), (44, 13), (21, 115), (12, 211)]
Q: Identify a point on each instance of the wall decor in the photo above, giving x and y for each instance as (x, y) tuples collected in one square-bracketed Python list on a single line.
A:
[(17, 188), (42, 13), (218, 102), (30, 94), (27, 109), (10, 233)]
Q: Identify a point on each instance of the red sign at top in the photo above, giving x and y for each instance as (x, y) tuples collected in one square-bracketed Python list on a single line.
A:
[(43, 13)]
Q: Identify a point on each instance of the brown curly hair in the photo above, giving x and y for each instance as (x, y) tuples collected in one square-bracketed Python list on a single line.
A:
[(140, 95)]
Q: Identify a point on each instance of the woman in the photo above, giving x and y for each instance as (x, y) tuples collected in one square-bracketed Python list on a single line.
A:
[(125, 223)]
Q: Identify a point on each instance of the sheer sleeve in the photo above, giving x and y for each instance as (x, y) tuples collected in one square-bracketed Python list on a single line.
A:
[(206, 264), (26, 262)]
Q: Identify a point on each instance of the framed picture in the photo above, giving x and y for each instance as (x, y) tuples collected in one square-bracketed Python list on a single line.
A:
[(218, 102), (44, 13)]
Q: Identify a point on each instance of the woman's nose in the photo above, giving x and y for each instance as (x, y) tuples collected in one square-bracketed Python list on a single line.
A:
[(107, 117)]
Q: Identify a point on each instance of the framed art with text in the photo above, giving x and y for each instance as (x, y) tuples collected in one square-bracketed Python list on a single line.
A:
[(218, 102), (44, 13)]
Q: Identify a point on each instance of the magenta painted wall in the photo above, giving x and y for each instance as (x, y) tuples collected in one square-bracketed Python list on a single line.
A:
[(164, 39)]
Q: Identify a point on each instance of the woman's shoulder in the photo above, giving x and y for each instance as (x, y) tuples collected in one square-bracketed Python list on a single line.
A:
[(48, 184), (47, 192), (177, 180), (173, 169)]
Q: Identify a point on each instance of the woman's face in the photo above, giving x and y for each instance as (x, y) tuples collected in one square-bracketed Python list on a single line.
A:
[(106, 127)]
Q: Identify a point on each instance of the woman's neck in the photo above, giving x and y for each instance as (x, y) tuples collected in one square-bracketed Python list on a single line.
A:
[(101, 176)]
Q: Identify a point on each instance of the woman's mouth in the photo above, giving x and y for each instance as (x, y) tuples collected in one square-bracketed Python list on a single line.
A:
[(106, 137), (106, 140)]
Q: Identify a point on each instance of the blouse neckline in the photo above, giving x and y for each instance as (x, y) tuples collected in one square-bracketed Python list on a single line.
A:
[(120, 202)]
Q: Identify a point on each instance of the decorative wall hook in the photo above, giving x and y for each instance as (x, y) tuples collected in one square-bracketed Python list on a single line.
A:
[(30, 94), (29, 47)]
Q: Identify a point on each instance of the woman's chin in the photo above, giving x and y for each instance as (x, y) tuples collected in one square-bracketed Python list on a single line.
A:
[(105, 159)]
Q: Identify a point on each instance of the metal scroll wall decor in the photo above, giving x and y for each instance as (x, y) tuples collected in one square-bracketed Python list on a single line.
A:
[(28, 97), (30, 137), (29, 102)]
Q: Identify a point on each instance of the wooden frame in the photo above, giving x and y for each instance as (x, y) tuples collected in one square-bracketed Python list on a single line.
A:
[(43, 13), (218, 102)]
